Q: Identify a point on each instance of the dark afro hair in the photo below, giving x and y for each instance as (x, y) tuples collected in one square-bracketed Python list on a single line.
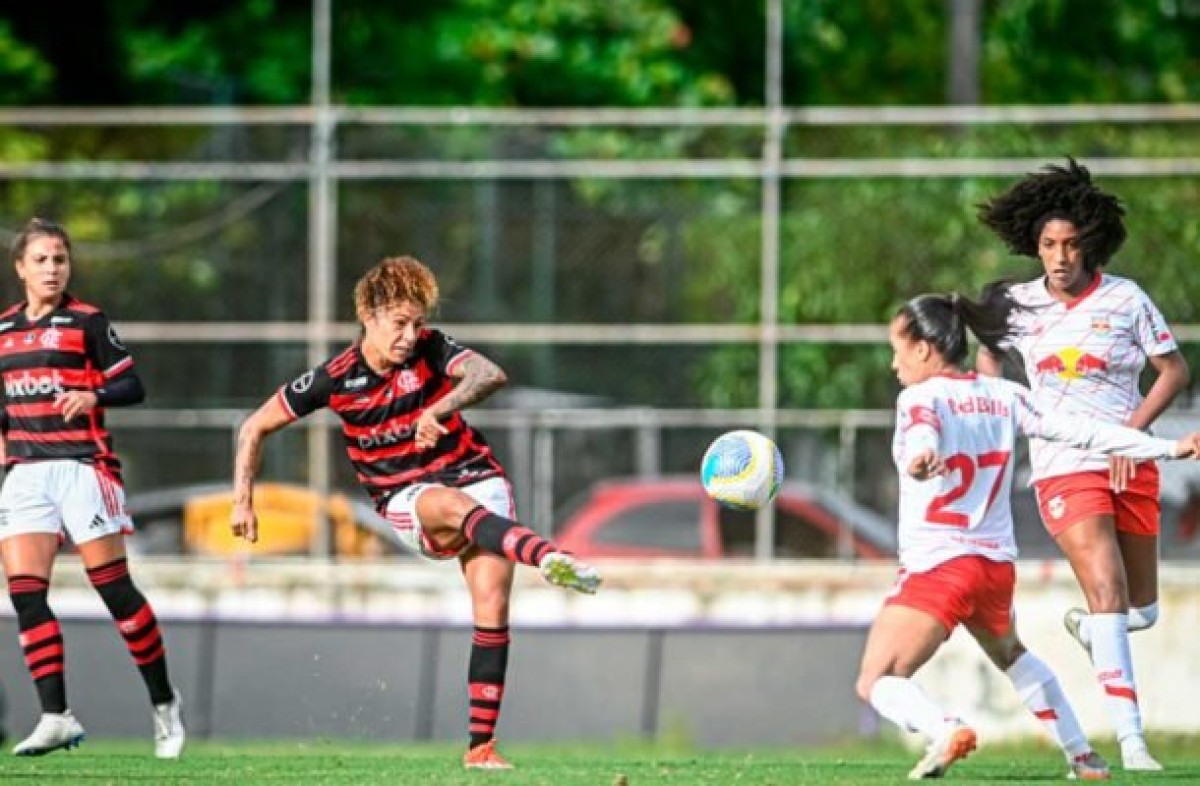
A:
[(1018, 215)]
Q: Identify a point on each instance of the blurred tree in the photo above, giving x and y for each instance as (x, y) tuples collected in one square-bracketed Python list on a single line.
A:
[(25, 75), (1072, 51), (522, 53), (589, 53), (838, 266)]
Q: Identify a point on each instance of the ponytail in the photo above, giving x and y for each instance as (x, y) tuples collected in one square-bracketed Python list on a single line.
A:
[(943, 320), (989, 318)]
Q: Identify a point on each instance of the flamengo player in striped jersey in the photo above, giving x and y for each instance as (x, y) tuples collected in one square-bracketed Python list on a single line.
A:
[(62, 365), (1085, 337), (953, 446), (399, 392)]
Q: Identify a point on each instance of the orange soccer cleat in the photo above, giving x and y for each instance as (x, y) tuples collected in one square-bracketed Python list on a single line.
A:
[(1089, 766), (959, 741), (485, 757)]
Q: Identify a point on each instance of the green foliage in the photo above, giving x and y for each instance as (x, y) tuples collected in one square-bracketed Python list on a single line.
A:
[(866, 52), (25, 74), (1068, 51), (248, 52), (684, 251), (582, 53)]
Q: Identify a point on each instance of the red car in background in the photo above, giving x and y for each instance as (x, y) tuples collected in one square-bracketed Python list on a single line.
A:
[(673, 517)]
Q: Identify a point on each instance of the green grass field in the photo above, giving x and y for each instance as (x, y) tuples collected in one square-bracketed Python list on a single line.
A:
[(328, 762)]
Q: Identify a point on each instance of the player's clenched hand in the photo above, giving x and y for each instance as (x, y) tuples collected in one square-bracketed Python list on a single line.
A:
[(1120, 471), (926, 464), (74, 403), (1189, 446), (244, 523), (429, 430)]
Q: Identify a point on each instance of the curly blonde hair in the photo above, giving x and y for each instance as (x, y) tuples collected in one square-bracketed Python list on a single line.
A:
[(393, 281)]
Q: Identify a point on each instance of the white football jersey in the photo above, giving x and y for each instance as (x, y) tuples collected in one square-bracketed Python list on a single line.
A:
[(972, 422), (1085, 358)]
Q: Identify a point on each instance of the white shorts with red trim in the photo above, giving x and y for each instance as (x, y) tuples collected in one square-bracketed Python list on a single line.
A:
[(62, 497), (495, 494)]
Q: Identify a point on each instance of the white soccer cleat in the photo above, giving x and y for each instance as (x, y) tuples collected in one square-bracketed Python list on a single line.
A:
[(53, 731), (1072, 621), (1089, 766), (955, 744), (1137, 758), (563, 570), (169, 734)]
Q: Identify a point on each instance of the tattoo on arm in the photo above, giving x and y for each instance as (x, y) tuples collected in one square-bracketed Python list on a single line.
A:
[(246, 464), (480, 379)]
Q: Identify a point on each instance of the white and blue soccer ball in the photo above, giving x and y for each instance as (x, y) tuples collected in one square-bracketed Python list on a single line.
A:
[(742, 469)]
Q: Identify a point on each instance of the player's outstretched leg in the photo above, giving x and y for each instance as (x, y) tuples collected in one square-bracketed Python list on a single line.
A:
[(1045, 699), (563, 570), (520, 544)]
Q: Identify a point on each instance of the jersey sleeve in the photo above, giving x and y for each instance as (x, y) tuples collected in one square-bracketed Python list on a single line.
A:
[(104, 347), (1087, 433), (1150, 328), (918, 427), (444, 353), (307, 393)]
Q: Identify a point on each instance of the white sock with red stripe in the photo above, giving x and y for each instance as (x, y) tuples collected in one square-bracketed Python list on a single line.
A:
[(1140, 618), (1043, 695), (902, 701), (1114, 671)]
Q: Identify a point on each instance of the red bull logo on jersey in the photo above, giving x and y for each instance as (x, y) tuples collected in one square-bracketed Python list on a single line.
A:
[(1071, 363)]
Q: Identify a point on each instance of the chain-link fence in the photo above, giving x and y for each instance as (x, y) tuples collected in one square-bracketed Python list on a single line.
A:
[(630, 269)]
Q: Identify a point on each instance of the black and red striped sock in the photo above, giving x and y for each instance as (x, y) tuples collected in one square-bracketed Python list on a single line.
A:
[(485, 681), (41, 640), (137, 624), (505, 537)]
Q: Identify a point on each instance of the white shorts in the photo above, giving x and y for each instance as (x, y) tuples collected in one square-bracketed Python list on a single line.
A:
[(62, 497), (495, 494)]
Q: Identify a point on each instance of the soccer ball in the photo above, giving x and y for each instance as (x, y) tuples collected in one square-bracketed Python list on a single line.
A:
[(742, 470)]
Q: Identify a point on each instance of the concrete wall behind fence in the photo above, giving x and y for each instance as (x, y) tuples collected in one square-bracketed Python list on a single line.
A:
[(407, 683), (722, 654)]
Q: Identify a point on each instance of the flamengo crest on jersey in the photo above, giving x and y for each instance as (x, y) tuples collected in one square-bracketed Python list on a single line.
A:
[(379, 416), (1085, 357), (972, 422)]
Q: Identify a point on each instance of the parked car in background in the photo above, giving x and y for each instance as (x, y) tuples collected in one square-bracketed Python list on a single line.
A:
[(194, 519), (673, 517)]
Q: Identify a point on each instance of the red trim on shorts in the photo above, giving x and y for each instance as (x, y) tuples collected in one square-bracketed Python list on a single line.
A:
[(1065, 500)]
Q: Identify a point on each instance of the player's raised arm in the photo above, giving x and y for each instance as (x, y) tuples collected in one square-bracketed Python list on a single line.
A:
[(267, 419), (1109, 438)]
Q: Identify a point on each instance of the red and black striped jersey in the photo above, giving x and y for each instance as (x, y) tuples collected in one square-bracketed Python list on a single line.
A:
[(74, 347), (379, 416)]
